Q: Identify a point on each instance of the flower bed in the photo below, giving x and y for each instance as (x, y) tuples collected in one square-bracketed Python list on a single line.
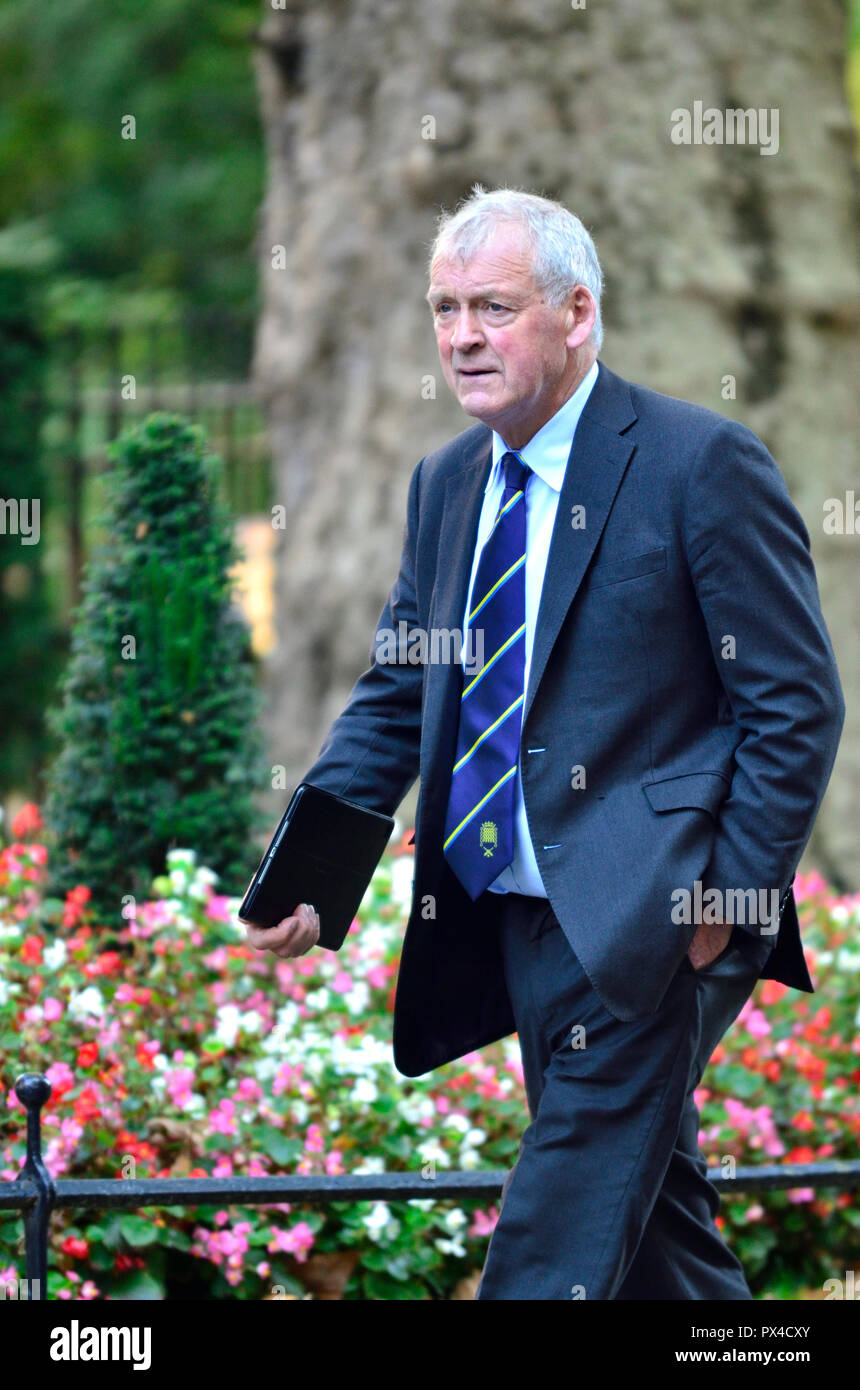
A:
[(173, 1049)]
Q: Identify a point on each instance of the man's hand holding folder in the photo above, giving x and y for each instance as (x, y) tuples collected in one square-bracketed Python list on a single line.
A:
[(294, 936), (325, 848)]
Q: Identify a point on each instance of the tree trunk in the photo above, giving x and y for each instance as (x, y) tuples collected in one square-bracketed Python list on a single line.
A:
[(720, 261)]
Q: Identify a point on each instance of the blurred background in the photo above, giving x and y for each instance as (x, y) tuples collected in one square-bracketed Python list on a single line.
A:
[(223, 210)]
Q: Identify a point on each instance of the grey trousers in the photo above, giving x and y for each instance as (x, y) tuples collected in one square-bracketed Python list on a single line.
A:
[(609, 1197)]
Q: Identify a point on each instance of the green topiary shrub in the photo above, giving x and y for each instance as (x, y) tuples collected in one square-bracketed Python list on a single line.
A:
[(158, 726)]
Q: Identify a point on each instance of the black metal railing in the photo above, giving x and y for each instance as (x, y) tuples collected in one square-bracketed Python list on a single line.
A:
[(36, 1193)]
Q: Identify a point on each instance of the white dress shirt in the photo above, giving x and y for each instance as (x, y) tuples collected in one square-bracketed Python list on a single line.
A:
[(546, 454)]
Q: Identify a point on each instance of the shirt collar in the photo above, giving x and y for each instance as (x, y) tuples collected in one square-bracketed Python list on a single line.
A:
[(547, 451)]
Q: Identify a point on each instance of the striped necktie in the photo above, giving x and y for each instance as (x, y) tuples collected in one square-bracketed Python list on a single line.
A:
[(479, 825)]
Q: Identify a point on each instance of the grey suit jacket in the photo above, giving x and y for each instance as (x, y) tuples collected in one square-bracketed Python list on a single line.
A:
[(680, 658)]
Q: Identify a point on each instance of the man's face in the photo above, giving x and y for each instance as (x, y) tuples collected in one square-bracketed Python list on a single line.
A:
[(509, 358)]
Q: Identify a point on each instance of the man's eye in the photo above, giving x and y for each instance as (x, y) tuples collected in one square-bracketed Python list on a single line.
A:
[(494, 305)]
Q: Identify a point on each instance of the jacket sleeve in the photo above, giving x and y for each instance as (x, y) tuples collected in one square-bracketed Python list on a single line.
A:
[(371, 751), (749, 556)]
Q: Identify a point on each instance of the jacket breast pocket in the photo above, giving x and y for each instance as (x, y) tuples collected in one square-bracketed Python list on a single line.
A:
[(704, 791), (628, 567)]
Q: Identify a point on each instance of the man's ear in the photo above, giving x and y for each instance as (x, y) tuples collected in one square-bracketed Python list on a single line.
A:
[(582, 310)]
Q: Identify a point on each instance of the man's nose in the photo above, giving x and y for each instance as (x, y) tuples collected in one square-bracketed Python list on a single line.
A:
[(467, 329)]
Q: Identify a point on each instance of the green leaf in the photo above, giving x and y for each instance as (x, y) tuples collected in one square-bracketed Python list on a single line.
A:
[(138, 1284), (277, 1145), (138, 1231)]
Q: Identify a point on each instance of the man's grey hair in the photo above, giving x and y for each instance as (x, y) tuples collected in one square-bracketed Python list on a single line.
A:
[(564, 254)]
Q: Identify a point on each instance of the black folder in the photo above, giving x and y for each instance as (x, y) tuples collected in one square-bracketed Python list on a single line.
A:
[(323, 852)]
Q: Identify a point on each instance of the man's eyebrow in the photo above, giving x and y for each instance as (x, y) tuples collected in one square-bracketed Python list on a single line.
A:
[(490, 292)]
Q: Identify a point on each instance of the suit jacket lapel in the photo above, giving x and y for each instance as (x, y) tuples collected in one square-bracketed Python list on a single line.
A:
[(595, 467)]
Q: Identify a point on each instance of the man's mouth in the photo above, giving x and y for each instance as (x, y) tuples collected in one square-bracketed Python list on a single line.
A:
[(476, 371)]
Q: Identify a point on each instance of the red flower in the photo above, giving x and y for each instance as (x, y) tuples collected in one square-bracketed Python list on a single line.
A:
[(86, 1107), (75, 1246), (27, 821), (802, 1154), (31, 951), (88, 1054), (145, 1053), (802, 1121), (76, 898)]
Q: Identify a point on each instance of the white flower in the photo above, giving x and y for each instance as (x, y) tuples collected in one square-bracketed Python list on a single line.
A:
[(470, 1158), (317, 999), (450, 1247), (380, 1222), (365, 1091), (181, 858), (455, 1220), (847, 960), (358, 998), (371, 1164), (401, 879), (378, 1218), (178, 880), (55, 955), (87, 1004), (423, 1203), (251, 1021), (288, 1016), (160, 1062), (300, 1110), (7, 991), (457, 1121), (839, 913), (432, 1152), (228, 1024), (475, 1137)]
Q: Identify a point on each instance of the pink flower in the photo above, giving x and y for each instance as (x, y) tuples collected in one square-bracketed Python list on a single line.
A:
[(342, 982), (757, 1024), (314, 1141), (484, 1222), (297, 1241), (53, 1010), (222, 1119)]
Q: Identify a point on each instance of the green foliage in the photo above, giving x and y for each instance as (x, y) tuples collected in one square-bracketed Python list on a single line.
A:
[(29, 642), (170, 208), (157, 725)]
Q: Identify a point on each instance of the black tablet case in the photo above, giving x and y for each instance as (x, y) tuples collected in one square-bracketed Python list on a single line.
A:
[(323, 852)]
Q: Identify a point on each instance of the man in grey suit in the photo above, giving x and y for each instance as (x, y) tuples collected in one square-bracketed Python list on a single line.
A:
[(615, 797)]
